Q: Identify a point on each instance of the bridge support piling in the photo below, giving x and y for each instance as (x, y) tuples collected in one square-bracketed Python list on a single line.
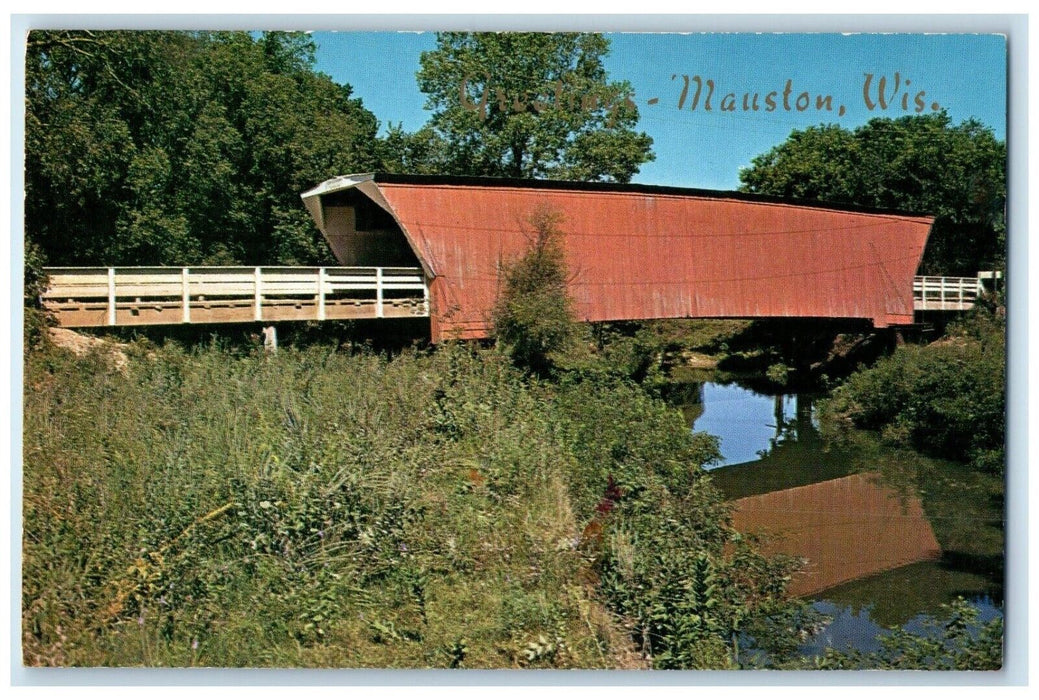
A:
[(379, 312), (321, 294), (270, 339)]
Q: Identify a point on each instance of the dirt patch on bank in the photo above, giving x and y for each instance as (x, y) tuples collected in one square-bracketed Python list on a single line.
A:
[(81, 345), (696, 360)]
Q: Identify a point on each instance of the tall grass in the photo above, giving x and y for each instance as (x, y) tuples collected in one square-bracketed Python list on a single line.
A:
[(316, 508)]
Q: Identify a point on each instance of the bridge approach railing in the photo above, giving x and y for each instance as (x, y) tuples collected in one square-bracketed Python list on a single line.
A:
[(126, 296)]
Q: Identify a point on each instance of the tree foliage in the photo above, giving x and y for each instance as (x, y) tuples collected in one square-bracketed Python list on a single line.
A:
[(523, 104), (534, 316), (182, 148), (914, 163)]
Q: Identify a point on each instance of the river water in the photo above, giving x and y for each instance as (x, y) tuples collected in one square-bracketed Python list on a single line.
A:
[(888, 534)]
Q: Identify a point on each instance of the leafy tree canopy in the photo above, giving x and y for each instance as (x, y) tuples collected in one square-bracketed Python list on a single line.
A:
[(182, 148), (914, 163), (529, 105)]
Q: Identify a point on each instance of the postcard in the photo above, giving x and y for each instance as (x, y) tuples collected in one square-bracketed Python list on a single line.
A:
[(527, 350)]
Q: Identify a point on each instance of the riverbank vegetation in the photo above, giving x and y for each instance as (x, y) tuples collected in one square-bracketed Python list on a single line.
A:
[(219, 507), (946, 399)]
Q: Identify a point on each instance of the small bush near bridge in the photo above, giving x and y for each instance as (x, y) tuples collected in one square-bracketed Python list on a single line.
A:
[(533, 317)]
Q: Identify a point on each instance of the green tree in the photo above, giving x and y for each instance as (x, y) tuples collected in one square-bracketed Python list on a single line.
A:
[(420, 153), (524, 104), (914, 163), (533, 317), (34, 282), (182, 148)]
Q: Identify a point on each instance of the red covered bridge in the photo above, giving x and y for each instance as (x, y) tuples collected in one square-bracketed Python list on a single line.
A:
[(432, 246), (635, 251)]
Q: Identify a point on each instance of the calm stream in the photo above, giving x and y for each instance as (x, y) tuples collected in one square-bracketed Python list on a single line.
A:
[(889, 535)]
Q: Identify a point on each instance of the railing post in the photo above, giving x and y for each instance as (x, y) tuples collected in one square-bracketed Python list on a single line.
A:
[(257, 295), (185, 296), (425, 291), (321, 294), (111, 296), (378, 293), (941, 288)]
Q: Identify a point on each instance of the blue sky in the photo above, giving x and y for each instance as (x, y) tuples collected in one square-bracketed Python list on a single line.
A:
[(962, 73)]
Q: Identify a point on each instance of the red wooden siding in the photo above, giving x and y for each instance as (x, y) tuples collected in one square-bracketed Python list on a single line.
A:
[(641, 256), (644, 253)]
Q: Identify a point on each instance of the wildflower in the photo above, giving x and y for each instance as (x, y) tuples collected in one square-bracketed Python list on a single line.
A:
[(194, 644)]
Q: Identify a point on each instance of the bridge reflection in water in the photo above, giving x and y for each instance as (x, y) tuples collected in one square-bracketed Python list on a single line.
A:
[(846, 528), (806, 497)]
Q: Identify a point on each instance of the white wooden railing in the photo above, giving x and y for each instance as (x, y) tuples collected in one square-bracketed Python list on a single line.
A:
[(151, 295), (946, 293), (83, 297)]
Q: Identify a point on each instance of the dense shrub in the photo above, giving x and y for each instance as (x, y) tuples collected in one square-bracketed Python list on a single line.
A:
[(35, 320), (947, 399), (533, 316)]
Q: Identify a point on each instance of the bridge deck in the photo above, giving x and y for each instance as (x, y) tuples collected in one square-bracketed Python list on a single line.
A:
[(136, 296), (133, 296)]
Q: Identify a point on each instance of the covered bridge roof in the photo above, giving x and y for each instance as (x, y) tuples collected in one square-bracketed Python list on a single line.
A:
[(646, 252)]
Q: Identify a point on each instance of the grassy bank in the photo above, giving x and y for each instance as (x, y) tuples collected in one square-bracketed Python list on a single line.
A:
[(317, 508)]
